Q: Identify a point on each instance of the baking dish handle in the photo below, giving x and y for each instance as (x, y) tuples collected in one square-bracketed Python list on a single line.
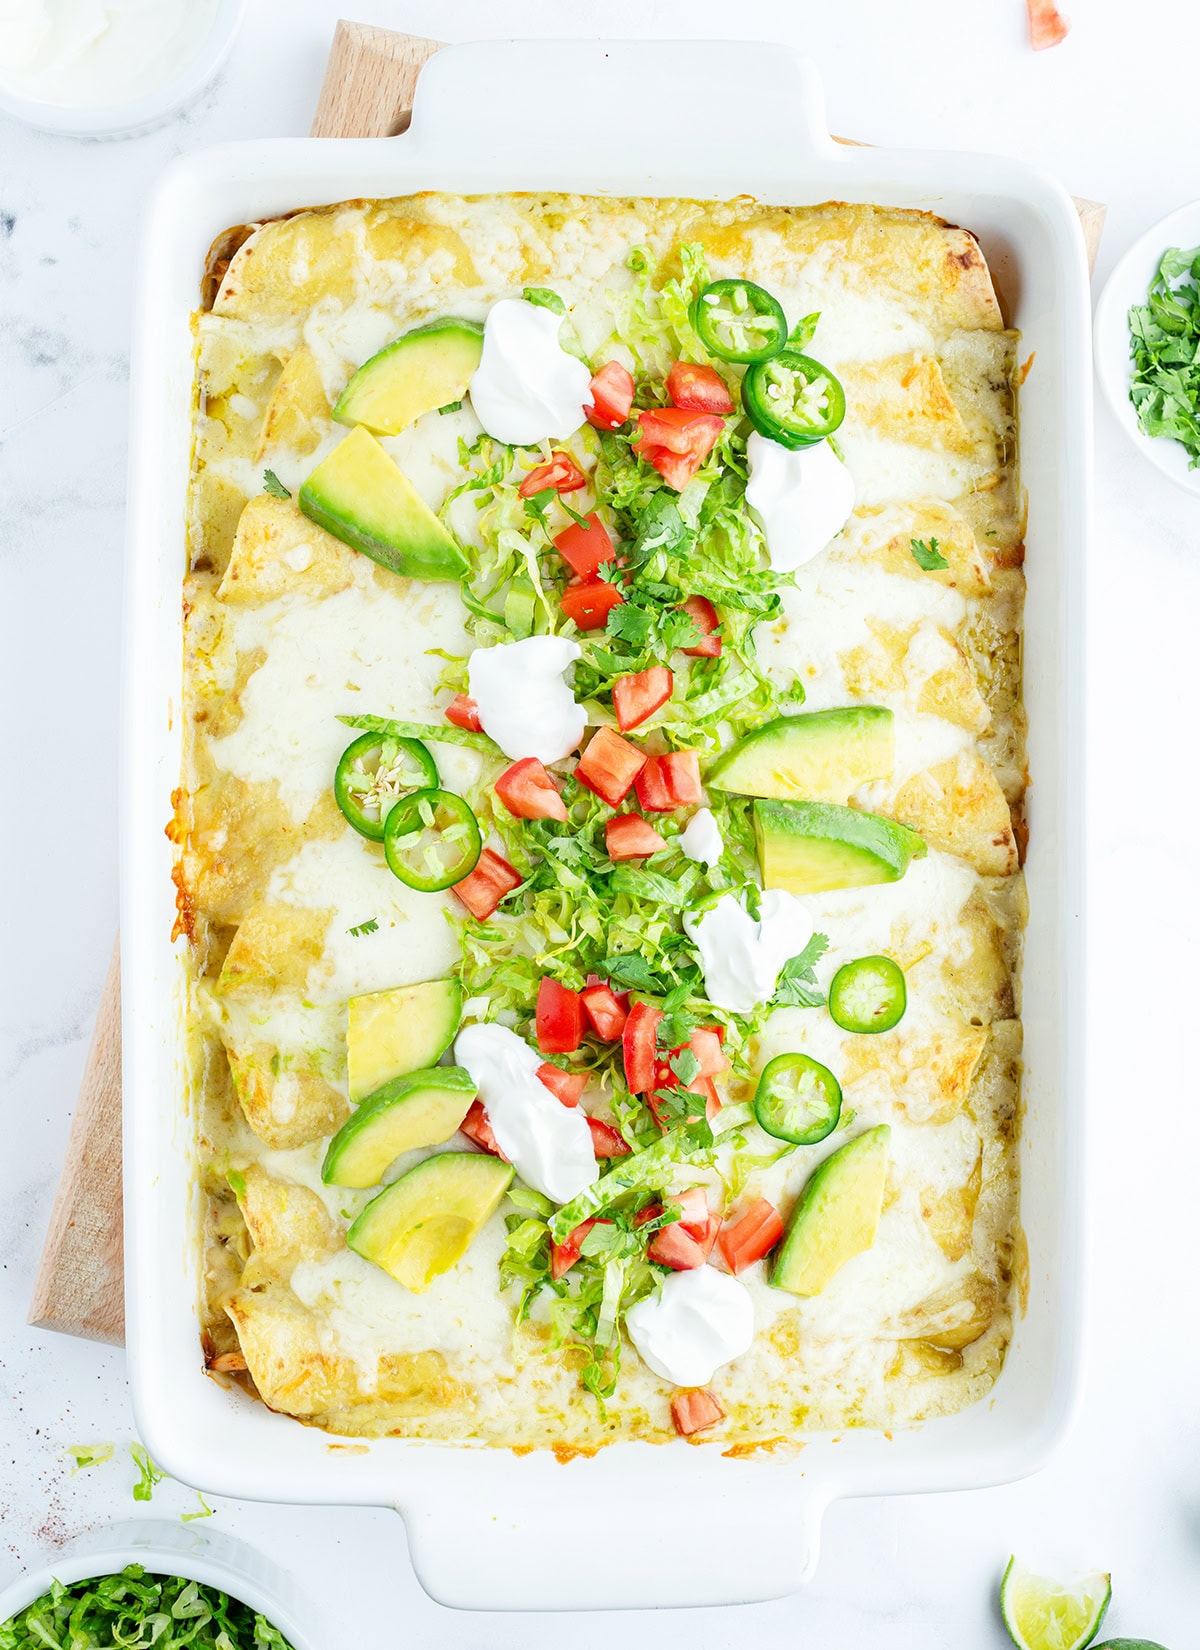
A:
[(544, 104), (651, 1543)]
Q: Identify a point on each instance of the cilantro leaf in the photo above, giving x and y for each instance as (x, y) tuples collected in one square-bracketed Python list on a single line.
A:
[(368, 927), (927, 555), (273, 485), (797, 984), (632, 971)]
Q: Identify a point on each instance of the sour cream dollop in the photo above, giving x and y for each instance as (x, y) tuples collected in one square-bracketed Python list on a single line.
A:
[(699, 1321), (524, 704), (701, 838), (742, 958), (526, 387), (802, 499), (549, 1144)]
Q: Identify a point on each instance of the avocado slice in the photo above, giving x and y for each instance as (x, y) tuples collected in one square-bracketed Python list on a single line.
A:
[(836, 1216), (425, 369), (424, 1223), (362, 497), (809, 847), (389, 1033), (423, 1108), (821, 754)]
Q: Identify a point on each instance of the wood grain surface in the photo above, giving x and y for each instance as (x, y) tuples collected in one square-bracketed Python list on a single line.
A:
[(367, 92)]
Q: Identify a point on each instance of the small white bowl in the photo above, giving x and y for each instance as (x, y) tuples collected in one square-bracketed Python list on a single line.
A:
[(141, 114), (209, 1557), (1126, 286)]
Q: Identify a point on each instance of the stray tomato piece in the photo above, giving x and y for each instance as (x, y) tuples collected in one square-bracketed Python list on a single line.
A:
[(606, 1142), (651, 1211), (564, 1255), (629, 836), (567, 1086), (1047, 25), (476, 1127), (683, 433), (694, 1216), (639, 1047), (673, 1247), (559, 1017), (637, 697), (611, 391), (584, 549), (753, 1235), (560, 472), (694, 1411), (698, 389), (704, 617), (492, 878), (528, 792), (710, 1237), (588, 605), (681, 775), (464, 713), (609, 766), (652, 791), (606, 1011), (705, 1044)]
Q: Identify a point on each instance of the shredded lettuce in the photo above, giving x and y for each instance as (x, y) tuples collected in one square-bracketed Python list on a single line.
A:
[(149, 1474), (88, 1455), (139, 1610)]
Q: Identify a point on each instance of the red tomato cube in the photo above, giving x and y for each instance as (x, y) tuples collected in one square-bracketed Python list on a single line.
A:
[(753, 1235), (528, 791), (629, 836), (588, 605), (704, 617), (611, 391), (606, 1142), (464, 713), (567, 1086), (584, 549), (560, 472), (559, 1017), (609, 766), (640, 1047), (694, 1411), (638, 696), (492, 878), (606, 1011), (698, 389)]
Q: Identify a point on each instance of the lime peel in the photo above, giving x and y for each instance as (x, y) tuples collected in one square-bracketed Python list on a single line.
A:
[(1041, 1614)]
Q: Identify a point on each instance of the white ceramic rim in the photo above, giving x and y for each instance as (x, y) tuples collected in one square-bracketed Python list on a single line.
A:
[(138, 114), (1126, 286), (208, 1556)]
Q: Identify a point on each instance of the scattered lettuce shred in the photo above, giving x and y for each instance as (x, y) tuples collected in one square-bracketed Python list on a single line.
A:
[(87, 1455), (149, 1474), (139, 1611)]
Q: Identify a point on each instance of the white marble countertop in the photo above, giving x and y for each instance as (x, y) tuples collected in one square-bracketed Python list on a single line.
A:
[(1124, 1491)]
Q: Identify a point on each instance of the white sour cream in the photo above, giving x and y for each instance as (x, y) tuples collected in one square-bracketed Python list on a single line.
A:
[(701, 838), (549, 1144), (524, 704), (74, 53), (699, 1321), (527, 388), (741, 958), (801, 499)]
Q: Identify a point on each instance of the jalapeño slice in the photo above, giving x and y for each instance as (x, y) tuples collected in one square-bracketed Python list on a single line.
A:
[(431, 840), (793, 399), (797, 1099), (868, 995), (374, 773), (739, 321)]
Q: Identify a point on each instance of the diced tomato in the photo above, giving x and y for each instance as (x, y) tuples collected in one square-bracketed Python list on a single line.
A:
[(674, 1247), (492, 878), (710, 1237), (638, 696), (639, 1047), (698, 389), (609, 766), (1047, 25), (694, 1206), (712, 1100), (681, 775), (751, 1236), (584, 549), (677, 442), (651, 1211), (567, 1086), (629, 836), (607, 1012), (705, 1044), (559, 1017), (528, 791), (464, 713), (704, 617), (652, 790), (476, 1127), (564, 1255), (694, 1411), (611, 391), (560, 472), (588, 605), (606, 1142)]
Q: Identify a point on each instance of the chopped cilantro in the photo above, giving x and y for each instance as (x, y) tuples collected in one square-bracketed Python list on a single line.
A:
[(927, 555), (450, 407), (1164, 343), (369, 927), (797, 984), (273, 485)]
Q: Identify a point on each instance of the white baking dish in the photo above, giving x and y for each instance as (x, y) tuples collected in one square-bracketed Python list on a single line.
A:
[(482, 1525)]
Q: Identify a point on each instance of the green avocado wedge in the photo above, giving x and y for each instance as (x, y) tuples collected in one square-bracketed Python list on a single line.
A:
[(392, 1032), (427, 368), (819, 755), (836, 1216), (362, 497), (424, 1223), (423, 1108), (811, 847)]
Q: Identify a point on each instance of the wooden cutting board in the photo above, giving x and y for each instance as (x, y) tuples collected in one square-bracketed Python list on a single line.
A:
[(367, 92)]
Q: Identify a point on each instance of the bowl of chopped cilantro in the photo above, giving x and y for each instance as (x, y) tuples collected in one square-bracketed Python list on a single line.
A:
[(1148, 345), (145, 1583)]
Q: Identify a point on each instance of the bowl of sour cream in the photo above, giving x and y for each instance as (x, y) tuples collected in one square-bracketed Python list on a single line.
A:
[(109, 68)]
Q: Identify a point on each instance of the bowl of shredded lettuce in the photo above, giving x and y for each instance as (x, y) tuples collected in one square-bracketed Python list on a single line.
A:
[(146, 1583), (1147, 338)]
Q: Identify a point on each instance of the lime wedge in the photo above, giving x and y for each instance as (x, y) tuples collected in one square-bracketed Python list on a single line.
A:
[(1129, 1644), (1050, 1615)]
